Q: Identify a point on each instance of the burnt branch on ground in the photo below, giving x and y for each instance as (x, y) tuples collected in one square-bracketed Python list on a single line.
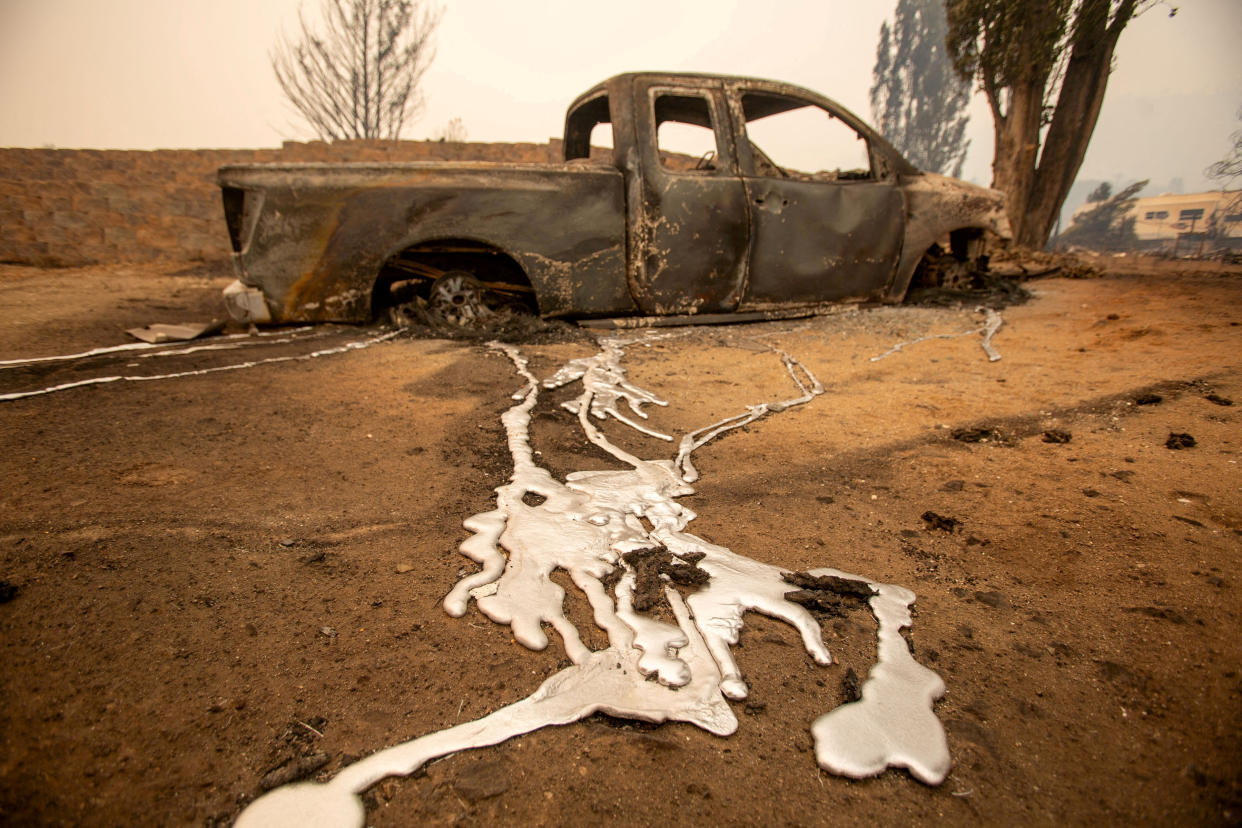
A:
[(656, 565), (828, 595)]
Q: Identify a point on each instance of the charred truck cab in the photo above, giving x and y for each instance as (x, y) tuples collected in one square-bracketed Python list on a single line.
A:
[(679, 196)]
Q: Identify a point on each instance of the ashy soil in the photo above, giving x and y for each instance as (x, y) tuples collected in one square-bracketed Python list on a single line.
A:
[(232, 574)]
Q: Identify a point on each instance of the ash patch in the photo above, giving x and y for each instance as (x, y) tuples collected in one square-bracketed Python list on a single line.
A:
[(986, 289), (828, 595)]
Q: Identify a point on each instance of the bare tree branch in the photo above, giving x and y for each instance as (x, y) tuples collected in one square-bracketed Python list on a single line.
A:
[(359, 76)]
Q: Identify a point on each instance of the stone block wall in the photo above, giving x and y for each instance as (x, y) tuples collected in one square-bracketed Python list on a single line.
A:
[(66, 207)]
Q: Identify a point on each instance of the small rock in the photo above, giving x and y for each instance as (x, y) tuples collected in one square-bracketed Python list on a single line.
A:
[(7, 592), (404, 567), (953, 486), (1056, 435), (328, 631), (1091, 492), (287, 542), (1218, 399), (1148, 399), (481, 780), (1179, 440), (992, 599)]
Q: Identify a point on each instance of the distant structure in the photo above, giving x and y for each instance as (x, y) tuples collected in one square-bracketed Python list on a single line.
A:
[(1185, 224)]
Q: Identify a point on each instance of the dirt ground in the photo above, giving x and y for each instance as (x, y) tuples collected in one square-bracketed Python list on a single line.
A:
[(224, 572)]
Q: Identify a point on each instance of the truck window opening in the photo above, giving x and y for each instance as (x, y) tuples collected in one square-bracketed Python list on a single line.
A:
[(685, 136), (803, 140)]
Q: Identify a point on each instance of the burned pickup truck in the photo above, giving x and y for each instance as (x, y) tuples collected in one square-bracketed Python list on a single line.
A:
[(692, 196)]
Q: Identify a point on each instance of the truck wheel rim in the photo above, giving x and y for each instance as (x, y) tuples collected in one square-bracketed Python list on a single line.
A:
[(458, 296)]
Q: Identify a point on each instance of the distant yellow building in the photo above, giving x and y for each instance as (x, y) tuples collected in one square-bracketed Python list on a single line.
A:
[(1165, 217), (1186, 222)]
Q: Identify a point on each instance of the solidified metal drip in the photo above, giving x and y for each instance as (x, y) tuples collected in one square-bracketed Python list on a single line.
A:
[(286, 336), (349, 346), (992, 322), (585, 526), (892, 725)]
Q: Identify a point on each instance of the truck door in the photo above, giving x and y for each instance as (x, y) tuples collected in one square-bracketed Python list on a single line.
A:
[(825, 225), (689, 228)]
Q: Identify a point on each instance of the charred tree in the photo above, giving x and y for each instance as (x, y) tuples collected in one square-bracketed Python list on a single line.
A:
[(917, 100), (1108, 225), (359, 77), (1228, 171), (1102, 192), (1044, 68)]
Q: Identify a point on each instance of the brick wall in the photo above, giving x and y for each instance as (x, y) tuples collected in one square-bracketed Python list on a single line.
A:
[(63, 207)]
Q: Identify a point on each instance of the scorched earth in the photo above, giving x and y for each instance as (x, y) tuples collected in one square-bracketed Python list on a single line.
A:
[(225, 578)]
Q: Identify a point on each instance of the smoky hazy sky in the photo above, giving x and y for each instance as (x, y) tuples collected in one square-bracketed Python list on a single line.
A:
[(145, 74)]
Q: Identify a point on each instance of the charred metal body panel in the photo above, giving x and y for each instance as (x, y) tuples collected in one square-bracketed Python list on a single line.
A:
[(325, 230), (936, 206), (635, 231)]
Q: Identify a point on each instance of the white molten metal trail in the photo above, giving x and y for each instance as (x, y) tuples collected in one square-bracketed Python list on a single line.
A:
[(584, 527), (341, 349), (992, 322)]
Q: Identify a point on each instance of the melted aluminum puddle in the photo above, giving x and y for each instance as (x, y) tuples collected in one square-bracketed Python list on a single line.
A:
[(584, 526)]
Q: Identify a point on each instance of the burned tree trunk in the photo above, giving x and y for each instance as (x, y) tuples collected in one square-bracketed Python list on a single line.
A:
[(1015, 49), (1078, 108)]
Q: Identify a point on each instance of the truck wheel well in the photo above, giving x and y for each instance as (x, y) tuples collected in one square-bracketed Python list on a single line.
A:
[(954, 260), (408, 274)]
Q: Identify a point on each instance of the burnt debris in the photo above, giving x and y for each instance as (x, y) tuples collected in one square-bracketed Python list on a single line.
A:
[(653, 562), (828, 595), (943, 523)]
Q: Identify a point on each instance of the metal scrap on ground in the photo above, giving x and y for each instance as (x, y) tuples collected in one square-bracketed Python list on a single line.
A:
[(159, 332)]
